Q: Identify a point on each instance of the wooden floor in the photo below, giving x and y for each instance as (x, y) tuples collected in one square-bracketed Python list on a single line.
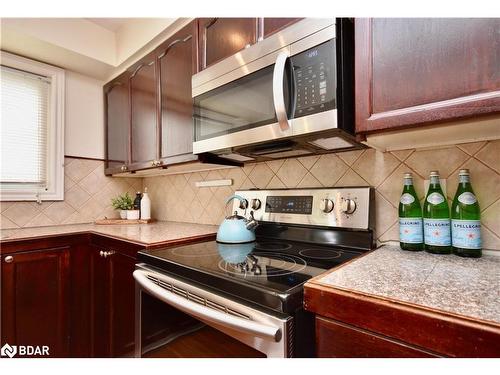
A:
[(204, 343)]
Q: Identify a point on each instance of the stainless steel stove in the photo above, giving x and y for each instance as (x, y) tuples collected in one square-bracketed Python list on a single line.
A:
[(253, 292)]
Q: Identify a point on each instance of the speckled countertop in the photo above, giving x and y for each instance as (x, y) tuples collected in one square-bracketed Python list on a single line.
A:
[(144, 234), (466, 287)]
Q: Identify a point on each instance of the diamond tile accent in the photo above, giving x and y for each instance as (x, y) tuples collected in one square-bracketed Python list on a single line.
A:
[(444, 160), (374, 166), (261, 175), (276, 183), (351, 178), (308, 161), (309, 181), (350, 157), (402, 154), (76, 196), (490, 218), (21, 213), (328, 169), (59, 211), (385, 214), (490, 155), (392, 187), (291, 172), (471, 148)]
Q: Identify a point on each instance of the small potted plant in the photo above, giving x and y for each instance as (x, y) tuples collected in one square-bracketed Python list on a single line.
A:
[(124, 203)]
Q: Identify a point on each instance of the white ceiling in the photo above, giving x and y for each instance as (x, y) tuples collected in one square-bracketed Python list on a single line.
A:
[(111, 24)]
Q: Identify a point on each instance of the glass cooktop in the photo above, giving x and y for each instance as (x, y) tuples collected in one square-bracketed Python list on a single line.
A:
[(267, 272)]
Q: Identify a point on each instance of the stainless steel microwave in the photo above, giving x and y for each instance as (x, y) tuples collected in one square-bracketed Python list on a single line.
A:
[(288, 95)]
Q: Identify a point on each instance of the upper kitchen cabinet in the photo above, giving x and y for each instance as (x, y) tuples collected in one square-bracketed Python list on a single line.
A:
[(117, 117), (273, 25), (222, 37), (177, 62), (143, 112), (421, 71)]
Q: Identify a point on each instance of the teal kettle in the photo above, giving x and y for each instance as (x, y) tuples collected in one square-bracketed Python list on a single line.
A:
[(236, 228)]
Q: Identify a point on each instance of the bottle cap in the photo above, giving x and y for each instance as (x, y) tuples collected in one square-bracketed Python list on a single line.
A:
[(145, 190), (463, 172), (434, 173), (407, 175)]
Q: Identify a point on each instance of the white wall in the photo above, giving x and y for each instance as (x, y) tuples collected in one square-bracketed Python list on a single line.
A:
[(84, 117)]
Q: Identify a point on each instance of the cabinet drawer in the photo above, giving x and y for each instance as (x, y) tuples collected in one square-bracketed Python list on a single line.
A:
[(334, 339)]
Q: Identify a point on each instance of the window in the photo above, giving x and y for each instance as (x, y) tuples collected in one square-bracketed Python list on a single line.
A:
[(32, 130)]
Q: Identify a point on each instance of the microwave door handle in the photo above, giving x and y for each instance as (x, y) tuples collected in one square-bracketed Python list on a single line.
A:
[(205, 313), (278, 94)]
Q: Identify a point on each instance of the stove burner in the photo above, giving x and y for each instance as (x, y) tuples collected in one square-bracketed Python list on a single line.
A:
[(272, 246), (265, 264), (320, 253)]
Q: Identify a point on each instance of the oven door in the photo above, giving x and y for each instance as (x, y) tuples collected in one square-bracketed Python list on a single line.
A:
[(253, 107), (177, 319)]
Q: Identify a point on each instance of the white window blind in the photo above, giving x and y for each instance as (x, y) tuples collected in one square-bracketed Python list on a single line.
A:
[(24, 127)]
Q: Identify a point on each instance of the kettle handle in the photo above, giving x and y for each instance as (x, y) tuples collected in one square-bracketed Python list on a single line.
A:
[(235, 196)]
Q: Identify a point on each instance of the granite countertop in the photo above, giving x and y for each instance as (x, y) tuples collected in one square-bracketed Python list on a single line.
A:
[(143, 234), (461, 286)]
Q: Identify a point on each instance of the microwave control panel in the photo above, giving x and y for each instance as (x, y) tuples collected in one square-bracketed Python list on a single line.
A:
[(315, 79)]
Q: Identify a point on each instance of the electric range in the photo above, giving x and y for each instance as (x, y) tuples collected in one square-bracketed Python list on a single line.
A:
[(301, 234)]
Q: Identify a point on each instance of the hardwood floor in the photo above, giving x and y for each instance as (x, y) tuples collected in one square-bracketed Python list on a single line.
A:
[(205, 343)]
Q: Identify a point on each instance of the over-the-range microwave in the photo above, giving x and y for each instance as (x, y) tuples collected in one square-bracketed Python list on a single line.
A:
[(290, 94)]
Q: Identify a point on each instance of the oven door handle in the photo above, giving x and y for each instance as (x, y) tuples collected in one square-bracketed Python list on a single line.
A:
[(205, 313), (278, 93)]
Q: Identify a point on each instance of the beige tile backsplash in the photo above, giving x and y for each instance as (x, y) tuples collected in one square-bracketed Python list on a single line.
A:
[(87, 196), (176, 197)]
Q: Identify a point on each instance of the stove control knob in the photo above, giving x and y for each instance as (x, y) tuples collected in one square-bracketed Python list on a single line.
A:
[(255, 204), (348, 206), (326, 205), (243, 204)]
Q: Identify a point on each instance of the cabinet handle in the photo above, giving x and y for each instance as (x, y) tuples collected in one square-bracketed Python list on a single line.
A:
[(101, 253), (123, 168), (9, 259)]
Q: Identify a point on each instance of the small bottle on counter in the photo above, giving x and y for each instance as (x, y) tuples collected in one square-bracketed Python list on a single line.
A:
[(437, 233), (145, 206), (465, 219), (411, 235)]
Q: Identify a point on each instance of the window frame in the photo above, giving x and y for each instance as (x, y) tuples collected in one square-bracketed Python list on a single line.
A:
[(55, 132)]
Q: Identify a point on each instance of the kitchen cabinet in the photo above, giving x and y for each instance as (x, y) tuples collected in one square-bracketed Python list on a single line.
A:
[(177, 62), (222, 37), (112, 296), (420, 71), (117, 117), (143, 113), (273, 25), (335, 339), (35, 299)]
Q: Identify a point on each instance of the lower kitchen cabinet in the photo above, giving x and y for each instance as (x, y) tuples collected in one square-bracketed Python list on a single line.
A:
[(112, 300), (35, 299), (335, 339)]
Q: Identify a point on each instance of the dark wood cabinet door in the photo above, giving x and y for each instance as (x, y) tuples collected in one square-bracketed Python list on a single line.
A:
[(334, 339), (117, 117), (223, 37), (177, 63), (415, 71), (122, 304), (99, 303), (143, 108), (35, 299), (273, 25)]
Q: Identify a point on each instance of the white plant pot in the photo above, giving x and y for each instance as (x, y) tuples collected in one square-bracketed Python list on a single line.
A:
[(132, 214), (123, 214)]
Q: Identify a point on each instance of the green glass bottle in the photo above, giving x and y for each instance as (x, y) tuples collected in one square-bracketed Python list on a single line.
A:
[(411, 235), (437, 233), (465, 219)]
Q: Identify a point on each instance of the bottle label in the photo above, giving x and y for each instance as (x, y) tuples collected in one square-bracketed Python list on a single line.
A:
[(437, 232), (410, 230), (466, 234), (407, 198), (435, 198), (467, 198)]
